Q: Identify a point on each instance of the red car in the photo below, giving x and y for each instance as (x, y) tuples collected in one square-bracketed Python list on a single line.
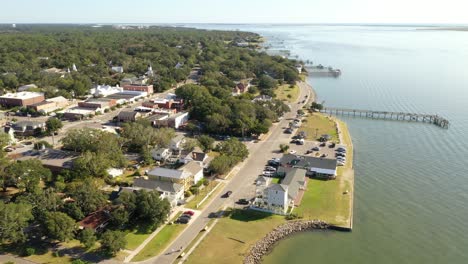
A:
[(191, 213)]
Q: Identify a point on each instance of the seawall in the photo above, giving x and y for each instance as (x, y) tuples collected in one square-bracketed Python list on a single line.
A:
[(265, 245)]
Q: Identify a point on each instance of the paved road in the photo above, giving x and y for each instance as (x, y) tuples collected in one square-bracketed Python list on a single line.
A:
[(241, 184)]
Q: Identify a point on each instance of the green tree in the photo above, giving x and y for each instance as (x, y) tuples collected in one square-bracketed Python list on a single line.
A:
[(151, 209), (14, 218), (73, 210), (266, 82), (119, 217), (87, 195), (53, 125), (206, 142), (189, 144), (284, 148), (27, 174), (234, 148), (60, 226), (113, 241), (87, 237), (222, 164), (5, 178)]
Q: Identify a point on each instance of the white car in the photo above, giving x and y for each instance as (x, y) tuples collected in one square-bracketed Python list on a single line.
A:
[(268, 173)]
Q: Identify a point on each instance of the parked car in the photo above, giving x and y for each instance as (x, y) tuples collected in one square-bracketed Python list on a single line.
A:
[(227, 194), (183, 220), (9, 149), (340, 163), (323, 155), (300, 142), (288, 131), (268, 173), (332, 145), (323, 144), (341, 149), (191, 213), (270, 168), (315, 148), (186, 216), (243, 201), (340, 154), (273, 163)]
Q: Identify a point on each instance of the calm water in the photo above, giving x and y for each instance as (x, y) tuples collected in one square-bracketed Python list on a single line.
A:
[(411, 189)]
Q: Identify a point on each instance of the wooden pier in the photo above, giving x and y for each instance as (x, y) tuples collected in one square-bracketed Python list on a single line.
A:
[(385, 115)]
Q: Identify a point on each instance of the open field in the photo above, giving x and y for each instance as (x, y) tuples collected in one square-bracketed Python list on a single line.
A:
[(197, 199), (286, 93), (233, 236), (160, 241), (318, 124)]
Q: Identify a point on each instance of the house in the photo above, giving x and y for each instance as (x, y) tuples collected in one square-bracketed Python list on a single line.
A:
[(21, 99), (262, 98), (96, 221), (196, 155), (321, 168), (27, 87), (128, 116), (134, 81), (28, 128), (187, 175), (176, 143), (160, 154), (171, 191), (54, 159), (117, 69), (279, 197)]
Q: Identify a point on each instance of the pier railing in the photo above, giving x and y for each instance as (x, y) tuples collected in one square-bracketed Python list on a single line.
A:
[(386, 115)]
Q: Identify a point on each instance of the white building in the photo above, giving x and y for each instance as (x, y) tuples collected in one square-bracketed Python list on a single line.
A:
[(118, 69), (105, 90), (160, 154), (279, 198), (173, 192), (176, 143)]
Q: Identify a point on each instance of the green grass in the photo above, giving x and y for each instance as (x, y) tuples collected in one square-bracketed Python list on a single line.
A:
[(318, 124), (193, 203), (275, 180), (233, 236), (137, 236), (286, 93), (325, 200), (168, 233)]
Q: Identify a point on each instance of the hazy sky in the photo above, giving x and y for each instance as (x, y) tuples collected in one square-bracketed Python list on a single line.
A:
[(234, 11)]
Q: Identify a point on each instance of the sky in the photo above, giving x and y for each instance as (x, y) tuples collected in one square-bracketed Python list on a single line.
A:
[(235, 11)]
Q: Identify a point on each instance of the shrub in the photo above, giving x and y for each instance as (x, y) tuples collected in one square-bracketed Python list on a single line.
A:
[(206, 182), (29, 251), (137, 173), (194, 190), (187, 194)]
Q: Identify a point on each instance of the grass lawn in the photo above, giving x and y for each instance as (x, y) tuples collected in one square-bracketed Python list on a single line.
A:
[(193, 203), (233, 236), (325, 200), (316, 123), (286, 93), (275, 180), (168, 233), (136, 237)]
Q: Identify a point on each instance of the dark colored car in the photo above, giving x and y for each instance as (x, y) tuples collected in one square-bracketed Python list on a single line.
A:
[(183, 220), (323, 155), (243, 202), (227, 194), (332, 145), (315, 148), (323, 144)]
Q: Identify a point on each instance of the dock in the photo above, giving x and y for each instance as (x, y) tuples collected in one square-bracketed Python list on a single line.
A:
[(321, 71), (386, 115)]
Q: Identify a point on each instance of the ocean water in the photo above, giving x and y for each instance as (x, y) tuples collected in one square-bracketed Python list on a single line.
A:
[(411, 183)]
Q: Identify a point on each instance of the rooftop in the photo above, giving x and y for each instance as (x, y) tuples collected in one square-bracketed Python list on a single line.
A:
[(160, 186), (307, 161), (192, 167), (22, 95), (167, 173)]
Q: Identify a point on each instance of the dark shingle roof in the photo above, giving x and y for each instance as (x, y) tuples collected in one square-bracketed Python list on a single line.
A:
[(308, 162)]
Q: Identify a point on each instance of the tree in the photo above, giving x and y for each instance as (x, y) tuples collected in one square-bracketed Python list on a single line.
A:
[(28, 173), (14, 218), (189, 144), (92, 164), (113, 241), (60, 226), (87, 237), (5, 178), (151, 209), (53, 125), (284, 148), (206, 142), (119, 217), (73, 210), (87, 195), (222, 164), (233, 147), (266, 82)]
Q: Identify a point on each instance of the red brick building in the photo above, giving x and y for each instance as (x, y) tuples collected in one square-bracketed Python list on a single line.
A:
[(21, 99), (139, 88)]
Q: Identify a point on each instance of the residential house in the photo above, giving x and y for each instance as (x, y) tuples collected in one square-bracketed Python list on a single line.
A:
[(187, 175), (176, 143), (197, 155), (321, 168), (278, 198), (171, 191), (160, 154), (241, 87), (21, 99), (128, 116), (96, 221), (28, 128)]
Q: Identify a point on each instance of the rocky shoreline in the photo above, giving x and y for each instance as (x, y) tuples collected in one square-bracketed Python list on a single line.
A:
[(263, 246)]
